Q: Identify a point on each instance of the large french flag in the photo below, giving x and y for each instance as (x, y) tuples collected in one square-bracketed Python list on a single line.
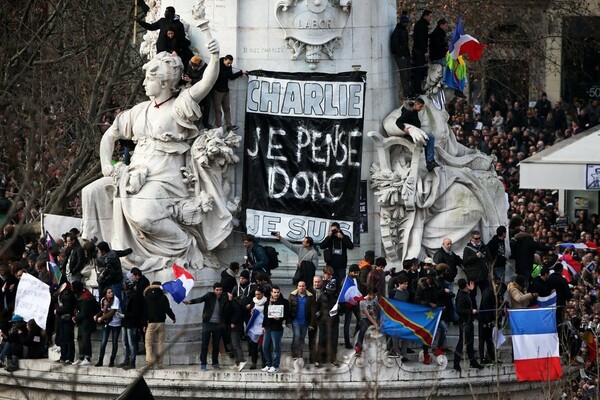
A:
[(463, 44), (181, 286), (535, 344)]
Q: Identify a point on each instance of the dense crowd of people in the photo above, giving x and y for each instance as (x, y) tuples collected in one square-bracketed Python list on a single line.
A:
[(550, 253)]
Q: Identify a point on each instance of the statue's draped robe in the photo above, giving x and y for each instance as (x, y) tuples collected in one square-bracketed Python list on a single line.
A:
[(141, 208)]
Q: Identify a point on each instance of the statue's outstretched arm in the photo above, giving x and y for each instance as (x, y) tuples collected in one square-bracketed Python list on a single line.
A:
[(107, 146), (201, 89)]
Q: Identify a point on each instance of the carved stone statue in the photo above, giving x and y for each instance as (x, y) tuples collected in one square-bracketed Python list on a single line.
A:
[(420, 208), (169, 205)]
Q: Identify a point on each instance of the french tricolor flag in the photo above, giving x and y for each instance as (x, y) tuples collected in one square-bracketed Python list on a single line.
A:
[(181, 286), (535, 344)]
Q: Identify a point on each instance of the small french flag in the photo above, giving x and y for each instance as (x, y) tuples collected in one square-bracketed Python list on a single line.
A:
[(181, 286)]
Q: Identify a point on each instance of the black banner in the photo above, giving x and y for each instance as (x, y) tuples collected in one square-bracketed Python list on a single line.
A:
[(302, 153)]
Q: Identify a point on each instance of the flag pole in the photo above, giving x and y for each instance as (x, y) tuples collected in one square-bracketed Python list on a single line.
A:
[(135, 8)]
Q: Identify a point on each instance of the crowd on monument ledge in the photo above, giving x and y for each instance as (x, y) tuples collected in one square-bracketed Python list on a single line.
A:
[(132, 312)]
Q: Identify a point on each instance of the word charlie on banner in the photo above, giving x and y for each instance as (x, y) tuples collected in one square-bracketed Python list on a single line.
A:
[(302, 153)]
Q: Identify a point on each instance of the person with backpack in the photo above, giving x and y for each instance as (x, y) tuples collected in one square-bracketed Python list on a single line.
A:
[(86, 307), (256, 257)]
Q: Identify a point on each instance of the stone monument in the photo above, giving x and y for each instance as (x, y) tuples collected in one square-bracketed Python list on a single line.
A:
[(170, 204), (420, 208)]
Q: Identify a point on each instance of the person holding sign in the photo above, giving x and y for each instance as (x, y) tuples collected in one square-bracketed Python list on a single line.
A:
[(276, 312)]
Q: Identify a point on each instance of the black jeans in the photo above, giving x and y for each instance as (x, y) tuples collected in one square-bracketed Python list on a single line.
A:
[(209, 330), (67, 340), (466, 334), (348, 322), (84, 341)]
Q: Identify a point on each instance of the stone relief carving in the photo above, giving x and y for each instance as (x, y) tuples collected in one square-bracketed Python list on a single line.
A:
[(420, 208), (312, 27)]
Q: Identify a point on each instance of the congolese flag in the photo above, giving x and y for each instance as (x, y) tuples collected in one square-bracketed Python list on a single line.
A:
[(409, 321), (461, 44)]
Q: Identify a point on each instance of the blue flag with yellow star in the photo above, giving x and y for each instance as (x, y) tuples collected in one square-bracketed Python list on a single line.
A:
[(409, 321)]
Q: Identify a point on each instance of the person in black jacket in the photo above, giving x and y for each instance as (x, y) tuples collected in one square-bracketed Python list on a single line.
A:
[(438, 46), (194, 72), (212, 323), (408, 121), (401, 52), (540, 283), (33, 340), (157, 309), (445, 255), (466, 310), (228, 277), (221, 91), (65, 311), (476, 258), (74, 258), (273, 324), (170, 20), (86, 307), (558, 283), (110, 273), (181, 46), (133, 313), (489, 315), (419, 50), (497, 248), (256, 257), (523, 248), (336, 245), (234, 318)]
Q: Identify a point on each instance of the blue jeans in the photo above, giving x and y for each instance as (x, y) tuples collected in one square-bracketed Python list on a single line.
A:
[(298, 339), (430, 147), (130, 345), (442, 332), (274, 337), (114, 331), (210, 329)]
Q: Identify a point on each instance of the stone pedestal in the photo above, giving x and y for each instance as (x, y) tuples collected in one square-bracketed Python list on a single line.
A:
[(252, 32)]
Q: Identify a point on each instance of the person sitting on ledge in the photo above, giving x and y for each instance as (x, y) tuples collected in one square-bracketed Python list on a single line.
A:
[(409, 120)]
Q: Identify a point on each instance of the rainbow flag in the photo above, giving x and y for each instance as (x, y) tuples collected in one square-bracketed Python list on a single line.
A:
[(409, 321), (461, 44)]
